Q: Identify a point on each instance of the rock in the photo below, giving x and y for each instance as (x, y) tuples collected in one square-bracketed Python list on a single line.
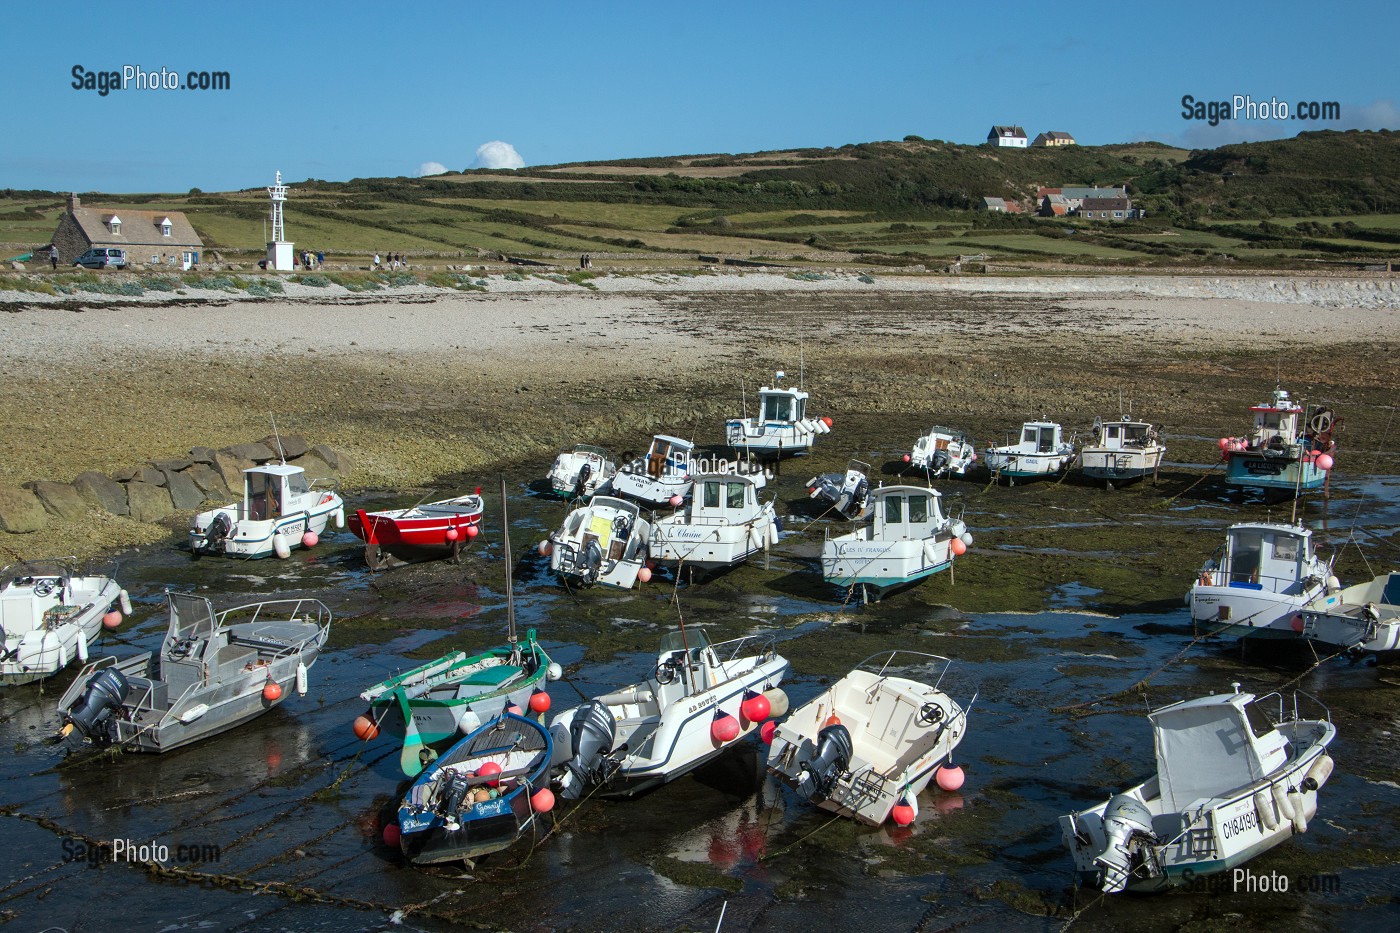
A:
[(59, 499), (140, 474), (202, 455), (102, 492), (230, 469), (185, 494), (17, 266), (173, 465), (327, 456), (127, 474), (315, 467), (293, 445), (148, 503), (20, 511), (208, 479), (258, 453)]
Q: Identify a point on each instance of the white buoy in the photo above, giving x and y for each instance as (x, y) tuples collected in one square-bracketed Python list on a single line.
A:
[(82, 646), (280, 546), (554, 671), (966, 538), (1285, 805), (301, 679), (1265, 806), (62, 655), (772, 533), (340, 518), (1320, 771), (1300, 819), (125, 602)]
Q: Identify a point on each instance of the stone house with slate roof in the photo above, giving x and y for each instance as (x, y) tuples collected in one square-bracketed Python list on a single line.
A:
[(163, 238)]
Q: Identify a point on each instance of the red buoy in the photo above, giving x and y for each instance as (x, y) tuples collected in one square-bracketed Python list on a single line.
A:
[(542, 800), (725, 728), (112, 619), (490, 768), (902, 813), (272, 691), (453, 534), (366, 729), (832, 720), (391, 835), (539, 701), (765, 731), (755, 706), (908, 459), (957, 547), (950, 777), (472, 532)]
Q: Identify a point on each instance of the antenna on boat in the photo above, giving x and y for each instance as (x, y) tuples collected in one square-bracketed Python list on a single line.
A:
[(685, 644), (510, 582), (802, 363), (744, 398), (280, 452)]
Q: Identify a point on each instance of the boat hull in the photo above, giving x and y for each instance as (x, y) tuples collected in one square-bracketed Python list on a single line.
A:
[(770, 438), (1025, 466), (255, 539), (43, 651), (1119, 466), (884, 565), (1256, 471), (1245, 610)]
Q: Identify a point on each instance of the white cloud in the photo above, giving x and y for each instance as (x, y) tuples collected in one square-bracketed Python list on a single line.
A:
[(1377, 115), (431, 168), (497, 154)]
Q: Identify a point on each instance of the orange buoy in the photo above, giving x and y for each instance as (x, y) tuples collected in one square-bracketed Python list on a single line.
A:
[(112, 619), (366, 729), (950, 777), (832, 720), (957, 547), (644, 575), (539, 701), (542, 800), (310, 539), (272, 691)]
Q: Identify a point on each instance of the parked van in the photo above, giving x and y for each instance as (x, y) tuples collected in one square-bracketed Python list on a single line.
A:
[(100, 257)]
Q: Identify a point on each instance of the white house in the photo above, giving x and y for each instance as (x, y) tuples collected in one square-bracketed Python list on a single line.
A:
[(1008, 137)]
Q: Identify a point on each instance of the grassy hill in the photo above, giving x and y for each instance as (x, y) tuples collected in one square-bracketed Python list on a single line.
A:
[(1318, 196)]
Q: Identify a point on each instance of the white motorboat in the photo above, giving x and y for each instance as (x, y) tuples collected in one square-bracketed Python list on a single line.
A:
[(1122, 451), (602, 542), (904, 538), (723, 524), (699, 700), (280, 511), (50, 614), (942, 451), (659, 477), (1259, 582), (1041, 451), (1235, 777), (875, 737), (581, 472), (848, 492), (1364, 618), (1291, 448), (782, 426)]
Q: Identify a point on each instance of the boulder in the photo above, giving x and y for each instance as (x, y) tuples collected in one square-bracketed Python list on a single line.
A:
[(127, 474), (20, 511), (315, 467), (149, 503), (202, 455), (208, 479), (140, 474), (258, 453), (185, 494), (174, 464), (16, 266), (59, 499), (230, 469), (327, 456), (293, 445), (102, 492)]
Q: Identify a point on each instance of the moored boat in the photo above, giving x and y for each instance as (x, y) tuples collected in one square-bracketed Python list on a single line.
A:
[(905, 538), (433, 529), (781, 427), (723, 524), (603, 542), (1291, 448), (280, 511), (848, 492), (1259, 582), (50, 613), (1122, 451), (582, 471), (661, 476), (1041, 451), (942, 451), (1361, 619)]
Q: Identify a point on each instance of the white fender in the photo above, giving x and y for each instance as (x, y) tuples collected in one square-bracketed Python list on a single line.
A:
[(470, 723), (966, 537), (62, 655), (1265, 806), (82, 646), (280, 546), (800, 428), (1285, 806), (1300, 819), (340, 517), (931, 549), (755, 538), (773, 533), (301, 679), (825, 429), (1321, 770), (958, 528), (125, 601)]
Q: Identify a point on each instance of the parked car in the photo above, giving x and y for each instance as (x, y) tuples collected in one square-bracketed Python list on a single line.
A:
[(100, 257)]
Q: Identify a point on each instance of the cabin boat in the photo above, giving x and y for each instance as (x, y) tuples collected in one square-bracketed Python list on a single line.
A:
[(848, 492), (722, 524), (904, 539), (603, 542), (942, 451), (581, 472), (477, 798), (782, 426), (431, 530), (280, 511), (1260, 580), (50, 614), (1364, 618), (1236, 775), (875, 737), (1291, 448), (214, 671), (691, 709), (661, 475), (1122, 451), (1041, 451)]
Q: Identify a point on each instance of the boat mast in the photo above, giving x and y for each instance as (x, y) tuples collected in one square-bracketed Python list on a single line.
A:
[(280, 452), (510, 583)]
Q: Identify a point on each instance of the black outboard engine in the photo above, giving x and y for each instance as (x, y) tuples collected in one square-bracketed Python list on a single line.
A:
[(215, 534), (452, 794), (581, 484), (591, 735), (832, 760), (592, 561), (103, 696)]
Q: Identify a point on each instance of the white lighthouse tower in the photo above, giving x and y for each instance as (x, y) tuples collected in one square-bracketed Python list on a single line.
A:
[(279, 249)]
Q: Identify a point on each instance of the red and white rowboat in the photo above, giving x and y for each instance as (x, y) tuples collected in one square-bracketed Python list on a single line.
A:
[(426, 529)]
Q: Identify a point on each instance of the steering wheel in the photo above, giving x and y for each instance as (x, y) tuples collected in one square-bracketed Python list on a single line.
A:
[(666, 672), (929, 714), (44, 587)]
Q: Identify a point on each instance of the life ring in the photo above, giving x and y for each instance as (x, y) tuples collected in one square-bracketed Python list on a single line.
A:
[(1321, 422)]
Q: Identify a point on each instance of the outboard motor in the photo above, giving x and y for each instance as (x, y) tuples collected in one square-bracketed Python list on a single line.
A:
[(103, 696), (592, 561), (832, 760), (591, 735), (581, 484), (217, 531), (453, 793), (1126, 824)]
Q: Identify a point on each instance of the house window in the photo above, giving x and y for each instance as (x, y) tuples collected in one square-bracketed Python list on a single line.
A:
[(165, 229), (1117, 213), (115, 225)]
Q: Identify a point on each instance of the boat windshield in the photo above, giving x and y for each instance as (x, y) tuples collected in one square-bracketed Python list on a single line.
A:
[(695, 638), (777, 408), (296, 484)]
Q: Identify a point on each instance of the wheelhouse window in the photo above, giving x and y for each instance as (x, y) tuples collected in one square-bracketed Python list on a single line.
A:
[(918, 508), (894, 509), (1244, 558), (296, 484), (1029, 437), (1286, 549), (777, 408), (711, 495), (734, 495)]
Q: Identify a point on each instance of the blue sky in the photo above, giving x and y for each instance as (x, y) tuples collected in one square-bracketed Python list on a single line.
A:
[(344, 90)]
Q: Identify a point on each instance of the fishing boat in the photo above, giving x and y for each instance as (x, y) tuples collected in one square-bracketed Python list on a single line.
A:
[(1122, 451), (603, 543), (942, 451), (452, 696), (280, 511), (50, 613), (1362, 619), (1236, 775), (1041, 451), (1291, 448), (478, 797), (781, 427), (723, 524), (661, 477), (699, 700), (581, 472), (1257, 584), (425, 530), (873, 740), (214, 671), (848, 492), (904, 539)]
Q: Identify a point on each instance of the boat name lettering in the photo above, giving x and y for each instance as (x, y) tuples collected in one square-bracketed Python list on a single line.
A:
[(1238, 824), (706, 702), (1263, 468)]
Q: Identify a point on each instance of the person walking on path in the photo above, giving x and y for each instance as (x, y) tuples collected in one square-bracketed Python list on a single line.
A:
[(53, 256), (376, 262)]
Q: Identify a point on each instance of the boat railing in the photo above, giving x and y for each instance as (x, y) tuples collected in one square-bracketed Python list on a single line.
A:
[(725, 653), (301, 610), (883, 662), (1288, 707)]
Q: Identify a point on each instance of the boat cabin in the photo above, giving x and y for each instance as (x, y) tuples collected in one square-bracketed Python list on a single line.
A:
[(1208, 747), (786, 406), (1276, 424), (723, 499), (1041, 437), (610, 525), (273, 490), (668, 456), (1266, 557), (904, 512), (1117, 435)]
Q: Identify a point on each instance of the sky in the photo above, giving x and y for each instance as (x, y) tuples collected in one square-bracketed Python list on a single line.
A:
[(354, 90)]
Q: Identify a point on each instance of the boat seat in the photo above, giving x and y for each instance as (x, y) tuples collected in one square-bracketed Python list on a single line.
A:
[(234, 656), (491, 676)]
